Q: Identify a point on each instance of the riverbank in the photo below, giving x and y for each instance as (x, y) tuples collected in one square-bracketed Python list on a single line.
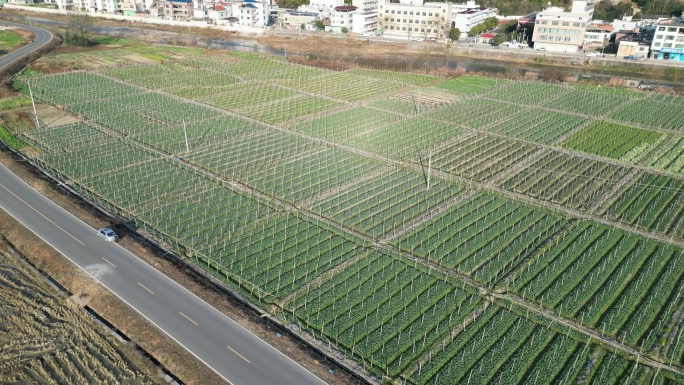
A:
[(344, 50)]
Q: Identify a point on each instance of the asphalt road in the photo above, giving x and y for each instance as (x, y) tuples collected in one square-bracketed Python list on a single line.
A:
[(43, 37), (231, 351)]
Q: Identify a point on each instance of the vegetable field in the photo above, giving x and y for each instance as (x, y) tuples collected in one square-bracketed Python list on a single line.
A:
[(435, 231)]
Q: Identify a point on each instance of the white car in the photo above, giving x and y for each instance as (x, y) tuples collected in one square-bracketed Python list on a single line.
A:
[(107, 234)]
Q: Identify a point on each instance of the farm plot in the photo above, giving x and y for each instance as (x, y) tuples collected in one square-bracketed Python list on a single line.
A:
[(501, 347), (278, 255), (671, 158), (475, 113), (76, 88), (592, 101), (566, 179), (349, 87), (416, 101), (68, 137), (143, 112), (616, 282), (247, 66), (244, 95), (478, 156), (287, 109), (97, 159), (174, 78), (386, 202), (470, 84), (244, 156), (611, 140), (312, 173), (403, 139), (340, 126), (529, 92), (654, 202), (383, 310), (404, 78), (192, 210), (538, 125), (47, 341), (200, 135), (485, 236), (664, 112)]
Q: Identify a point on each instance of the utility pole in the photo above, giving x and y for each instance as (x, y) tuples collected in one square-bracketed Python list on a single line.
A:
[(35, 114)]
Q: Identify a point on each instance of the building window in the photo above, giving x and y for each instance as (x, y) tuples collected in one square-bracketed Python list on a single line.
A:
[(423, 13), (430, 13), (659, 37), (387, 11), (669, 37), (671, 29), (403, 28), (566, 24), (543, 22), (667, 45), (661, 28), (679, 45), (575, 24), (657, 44), (410, 13), (554, 23)]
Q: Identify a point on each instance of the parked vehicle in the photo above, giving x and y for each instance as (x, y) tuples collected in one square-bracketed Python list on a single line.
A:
[(107, 234), (594, 54), (633, 57), (541, 49)]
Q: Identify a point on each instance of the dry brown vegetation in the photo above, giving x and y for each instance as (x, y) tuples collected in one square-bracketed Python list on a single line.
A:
[(47, 340)]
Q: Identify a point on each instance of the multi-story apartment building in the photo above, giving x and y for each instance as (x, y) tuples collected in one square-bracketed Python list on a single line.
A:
[(465, 19), (172, 9), (668, 41), (413, 19), (560, 31), (365, 19)]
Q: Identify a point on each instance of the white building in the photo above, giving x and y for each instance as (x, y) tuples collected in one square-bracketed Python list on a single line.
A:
[(466, 19), (560, 31), (342, 17), (626, 23), (365, 19), (20, 2), (668, 41), (412, 19)]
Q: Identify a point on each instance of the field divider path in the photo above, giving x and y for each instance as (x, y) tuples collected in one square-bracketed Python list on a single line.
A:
[(576, 326), (335, 190), (420, 220), (504, 174), (425, 358), (284, 302)]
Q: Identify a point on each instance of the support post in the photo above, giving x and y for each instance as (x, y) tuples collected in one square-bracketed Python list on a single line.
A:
[(429, 169), (33, 103), (185, 133)]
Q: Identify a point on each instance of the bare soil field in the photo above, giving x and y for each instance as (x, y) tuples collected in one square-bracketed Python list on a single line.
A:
[(47, 340)]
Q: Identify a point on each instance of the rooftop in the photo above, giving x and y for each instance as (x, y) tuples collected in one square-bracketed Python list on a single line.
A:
[(345, 8)]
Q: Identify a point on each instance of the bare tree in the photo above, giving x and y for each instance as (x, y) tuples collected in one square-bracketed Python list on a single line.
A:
[(78, 29)]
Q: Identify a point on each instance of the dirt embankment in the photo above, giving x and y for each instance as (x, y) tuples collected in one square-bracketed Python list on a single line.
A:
[(52, 342)]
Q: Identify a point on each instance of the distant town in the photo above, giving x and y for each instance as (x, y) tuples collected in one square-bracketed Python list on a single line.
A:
[(554, 29)]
